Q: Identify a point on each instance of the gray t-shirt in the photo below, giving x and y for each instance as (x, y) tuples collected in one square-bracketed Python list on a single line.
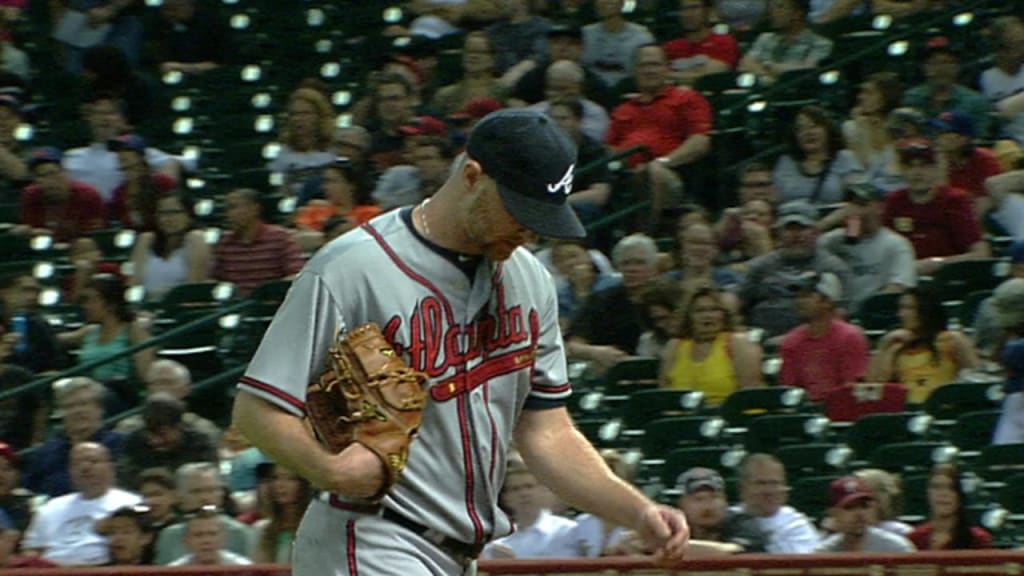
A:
[(875, 540), (794, 184), (885, 258), (609, 54)]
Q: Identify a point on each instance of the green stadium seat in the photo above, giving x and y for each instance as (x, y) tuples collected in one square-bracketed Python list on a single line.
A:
[(819, 459), (912, 457), (968, 310), (746, 404), (768, 433), (999, 462), (954, 281), (878, 313), (720, 458), (948, 402), (809, 495), (915, 496), (973, 430), (665, 434), (631, 375), (645, 406), (1011, 496), (873, 430)]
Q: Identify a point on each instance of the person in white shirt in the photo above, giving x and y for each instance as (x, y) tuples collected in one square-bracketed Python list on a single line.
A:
[(1006, 78), (64, 528), (205, 539), (850, 508), (764, 492), (539, 533), (98, 166)]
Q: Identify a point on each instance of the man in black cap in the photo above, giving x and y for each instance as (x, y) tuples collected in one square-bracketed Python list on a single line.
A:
[(460, 300), (720, 530)]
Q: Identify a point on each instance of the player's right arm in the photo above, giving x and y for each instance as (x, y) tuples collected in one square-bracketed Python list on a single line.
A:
[(355, 472)]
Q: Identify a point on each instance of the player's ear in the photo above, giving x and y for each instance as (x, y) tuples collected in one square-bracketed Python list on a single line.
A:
[(472, 173)]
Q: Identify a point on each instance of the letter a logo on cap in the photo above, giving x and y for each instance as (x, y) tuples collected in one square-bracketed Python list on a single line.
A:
[(565, 182)]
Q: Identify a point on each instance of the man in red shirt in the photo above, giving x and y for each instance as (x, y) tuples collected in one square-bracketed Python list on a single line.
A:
[(55, 204), (673, 122), (937, 219), (700, 50), (967, 166), (825, 352), (253, 252)]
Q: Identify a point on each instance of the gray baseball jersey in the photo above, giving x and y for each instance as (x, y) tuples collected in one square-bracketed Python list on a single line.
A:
[(489, 343)]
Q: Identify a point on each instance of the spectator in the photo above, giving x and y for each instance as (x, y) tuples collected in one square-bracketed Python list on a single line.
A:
[(14, 60), (1006, 77), (879, 259), (755, 183), (576, 277), (740, 14), (611, 43), (698, 253), (63, 529), (406, 184), (867, 133), (593, 536), (967, 165), (673, 123), (253, 252), (826, 352), (744, 233), (15, 501), (392, 101), (609, 326), (703, 500), (127, 532), (156, 486), (948, 527), (205, 540), (938, 220), (763, 492), (709, 355), (480, 77), (922, 354), (564, 43), (816, 169), (97, 165), (941, 91), (107, 70), (888, 501), (767, 291), (289, 496), (592, 190), (700, 50), (306, 135), (200, 487), (850, 503), (56, 204), (826, 11), (134, 201), (14, 173), (660, 301), (23, 416), (1007, 212), (343, 197), (539, 533), (163, 441), (80, 404), (519, 39), (790, 46), (173, 253), (1008, 306), (564, 79), (111, 327), (170, 377), (187, 38)]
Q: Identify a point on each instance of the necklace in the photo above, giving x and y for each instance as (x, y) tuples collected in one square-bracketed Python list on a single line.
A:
[(423, 217)]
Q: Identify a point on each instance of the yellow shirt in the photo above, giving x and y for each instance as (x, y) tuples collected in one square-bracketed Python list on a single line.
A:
[(714, 376), (917, 369)]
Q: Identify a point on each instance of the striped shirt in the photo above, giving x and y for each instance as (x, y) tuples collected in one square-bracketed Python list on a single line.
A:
[(271, 255)]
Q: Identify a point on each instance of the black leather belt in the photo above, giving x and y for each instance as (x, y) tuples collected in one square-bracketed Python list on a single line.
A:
[(461, 551)]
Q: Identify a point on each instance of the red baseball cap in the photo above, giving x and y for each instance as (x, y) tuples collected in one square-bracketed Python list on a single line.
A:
[(847, 490), (476, 109), (424, 126)]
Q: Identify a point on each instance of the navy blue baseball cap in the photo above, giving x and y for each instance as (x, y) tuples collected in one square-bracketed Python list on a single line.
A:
[(132, 142), (46, 154), (533, 161)]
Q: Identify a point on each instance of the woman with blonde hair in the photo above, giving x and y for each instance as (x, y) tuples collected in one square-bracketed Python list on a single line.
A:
[(305, 137), (709, 355), (888, 502)]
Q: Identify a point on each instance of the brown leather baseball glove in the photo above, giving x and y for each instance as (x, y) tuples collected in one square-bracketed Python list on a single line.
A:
[(367, 394)]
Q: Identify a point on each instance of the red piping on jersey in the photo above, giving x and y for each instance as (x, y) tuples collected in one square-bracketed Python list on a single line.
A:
[(350, 530), (336, 502), (494, 433), (467, 449), (275, 392)]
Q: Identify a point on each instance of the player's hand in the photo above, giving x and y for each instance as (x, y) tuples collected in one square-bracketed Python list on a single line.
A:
[(359, 473), (498, 551), (604, 357), (665, 530)]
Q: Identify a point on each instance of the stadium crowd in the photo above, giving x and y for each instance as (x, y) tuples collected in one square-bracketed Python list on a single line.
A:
[(776, 261)]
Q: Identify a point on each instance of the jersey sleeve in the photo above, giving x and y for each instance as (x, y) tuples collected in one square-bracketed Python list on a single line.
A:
[(550, 387), (295, 345)]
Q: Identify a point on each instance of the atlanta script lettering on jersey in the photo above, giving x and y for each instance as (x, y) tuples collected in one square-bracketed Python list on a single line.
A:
[(435, 347)]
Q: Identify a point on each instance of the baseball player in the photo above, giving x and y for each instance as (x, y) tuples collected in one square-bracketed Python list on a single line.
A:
[(459, 300)]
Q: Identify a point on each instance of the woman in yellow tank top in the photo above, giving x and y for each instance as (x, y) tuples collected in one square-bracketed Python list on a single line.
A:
[(708, 356), (922, 355)]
